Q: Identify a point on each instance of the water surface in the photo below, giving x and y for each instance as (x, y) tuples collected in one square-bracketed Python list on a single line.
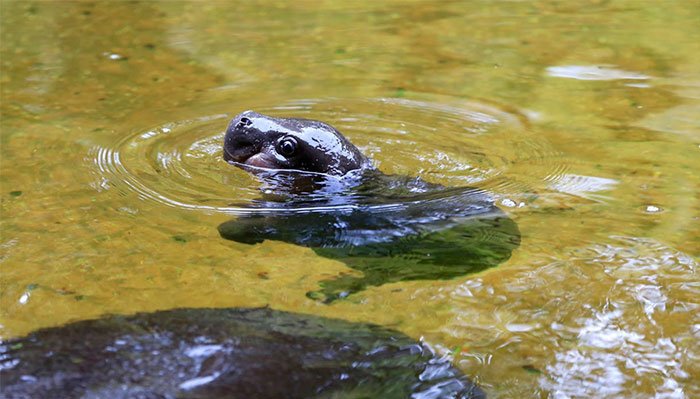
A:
[(580, 118)]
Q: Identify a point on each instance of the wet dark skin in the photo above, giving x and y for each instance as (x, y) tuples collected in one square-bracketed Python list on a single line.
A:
[(224, 353), (261, 141), (322, 193)]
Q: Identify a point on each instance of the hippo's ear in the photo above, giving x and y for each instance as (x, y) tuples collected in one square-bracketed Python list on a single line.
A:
[(244, 230)]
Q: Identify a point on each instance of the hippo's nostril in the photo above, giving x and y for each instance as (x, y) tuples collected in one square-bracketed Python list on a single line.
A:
[(244, 122)]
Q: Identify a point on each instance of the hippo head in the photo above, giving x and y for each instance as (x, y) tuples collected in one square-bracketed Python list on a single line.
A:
[(261, 141)]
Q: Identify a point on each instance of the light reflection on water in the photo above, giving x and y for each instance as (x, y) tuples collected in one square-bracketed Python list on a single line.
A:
[(627, 335), (629, 323), (584, 186), (600, 72)]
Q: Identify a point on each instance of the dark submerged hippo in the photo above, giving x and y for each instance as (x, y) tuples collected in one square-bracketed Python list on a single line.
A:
[(322, 193), (224, 353)]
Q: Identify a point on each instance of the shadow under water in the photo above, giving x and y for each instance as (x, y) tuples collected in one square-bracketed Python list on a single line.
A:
[(390, 228), (231, 353)]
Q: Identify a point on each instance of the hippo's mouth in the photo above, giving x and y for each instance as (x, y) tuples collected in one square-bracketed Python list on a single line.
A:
[(261, 160), (258, 159)]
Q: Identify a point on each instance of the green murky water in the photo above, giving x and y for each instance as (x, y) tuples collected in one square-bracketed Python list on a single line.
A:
[(581, 118)]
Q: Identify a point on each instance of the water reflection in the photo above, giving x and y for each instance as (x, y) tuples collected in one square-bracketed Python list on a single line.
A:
[(598, 72), (584, 186), (633, 334), (73, 221)]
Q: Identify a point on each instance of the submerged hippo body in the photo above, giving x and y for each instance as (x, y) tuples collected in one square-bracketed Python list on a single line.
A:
[(327, 196), (224, 353)]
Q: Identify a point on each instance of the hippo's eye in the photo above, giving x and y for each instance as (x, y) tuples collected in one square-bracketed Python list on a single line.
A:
[(244, 122), (287, 146)]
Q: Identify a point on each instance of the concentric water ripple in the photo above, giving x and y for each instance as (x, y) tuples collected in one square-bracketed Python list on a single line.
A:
[(179, 164)]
